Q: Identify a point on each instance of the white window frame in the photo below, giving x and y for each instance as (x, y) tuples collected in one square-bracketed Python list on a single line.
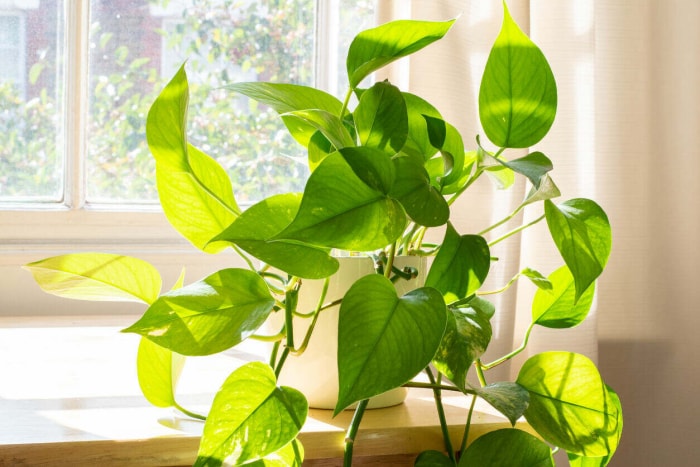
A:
[(30, 232)]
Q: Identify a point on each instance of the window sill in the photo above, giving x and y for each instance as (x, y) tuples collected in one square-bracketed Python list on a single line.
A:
[(70, 397)]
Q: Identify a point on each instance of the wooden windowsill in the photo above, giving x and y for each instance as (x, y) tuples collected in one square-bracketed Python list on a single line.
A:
[(69, 396)]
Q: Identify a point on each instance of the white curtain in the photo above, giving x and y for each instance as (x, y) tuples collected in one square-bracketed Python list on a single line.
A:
[(627, 135)]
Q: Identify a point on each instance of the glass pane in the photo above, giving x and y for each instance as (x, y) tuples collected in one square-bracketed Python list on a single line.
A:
[(136, 46), (31, 158)]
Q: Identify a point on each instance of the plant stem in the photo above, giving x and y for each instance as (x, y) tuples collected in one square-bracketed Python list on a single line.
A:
[(273, 354), (315, 314), (464, 188), (480, 372), (463, 446), (502, 289), (390, 260), (443, 387), (437, 395), (516, 230), (352, 432), (244, 256), (502, 221), (275, 338), (280, 363), (515, 352), (188, 413), (348, 95)]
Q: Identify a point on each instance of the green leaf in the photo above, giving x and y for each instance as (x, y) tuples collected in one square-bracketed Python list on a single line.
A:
[(544, 190), (250, 418), (291, 455), (383, 340), (510, 399), (537, 278), (339, 210), (576, 460), (372, 166), (194, 189), (558, 308), (97, 277), (507, 447), (581, 231), (518, 94), (318, 148), (257, 225), (423, 203), (482, 306), (447, 139), (381, 118), (418, 141), (208, 316), (461, 265), (466, 337), (285, 98), (374, 48), (534, 166), (158, 372), (327, 123), (433, 459), (570, 405)]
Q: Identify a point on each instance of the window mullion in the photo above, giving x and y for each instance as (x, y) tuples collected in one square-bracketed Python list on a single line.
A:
[(77, 26), (327, 24)]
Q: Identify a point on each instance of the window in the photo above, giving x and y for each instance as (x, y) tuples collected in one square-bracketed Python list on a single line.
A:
[(75, 173), (12, 50)]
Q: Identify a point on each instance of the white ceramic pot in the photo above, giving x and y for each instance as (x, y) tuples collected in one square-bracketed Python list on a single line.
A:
[(315, 372)]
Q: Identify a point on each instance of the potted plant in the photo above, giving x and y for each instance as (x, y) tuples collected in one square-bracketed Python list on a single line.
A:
[(382, 174)]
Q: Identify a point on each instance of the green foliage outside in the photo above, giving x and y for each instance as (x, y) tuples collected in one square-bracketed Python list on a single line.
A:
[(223, 42)]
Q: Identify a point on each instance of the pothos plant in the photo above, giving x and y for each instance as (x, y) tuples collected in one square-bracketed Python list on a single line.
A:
[(382, 174)]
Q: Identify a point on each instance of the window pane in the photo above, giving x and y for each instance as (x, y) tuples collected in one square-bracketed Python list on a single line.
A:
[(137, 45), (31, 155)]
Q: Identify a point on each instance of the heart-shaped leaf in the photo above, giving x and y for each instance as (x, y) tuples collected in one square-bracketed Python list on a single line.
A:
[(570, 405), (537, 278), (418, 140), (558, 308), (576, 460), (518, 94), (374, 48), (510, 399), (381, 119), (533, 166), (257, 225), (466, 337), (291, 455), (339, 210), (327, 123), (285, 98), (318, 149), (158, 372), (97, 277), (544, 190), (208, 316), (581, 231), (250, 418), (507, 447), (422, 202), (372, 166), (194, 190), (447, 139), (384, 340), (460, 266)]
